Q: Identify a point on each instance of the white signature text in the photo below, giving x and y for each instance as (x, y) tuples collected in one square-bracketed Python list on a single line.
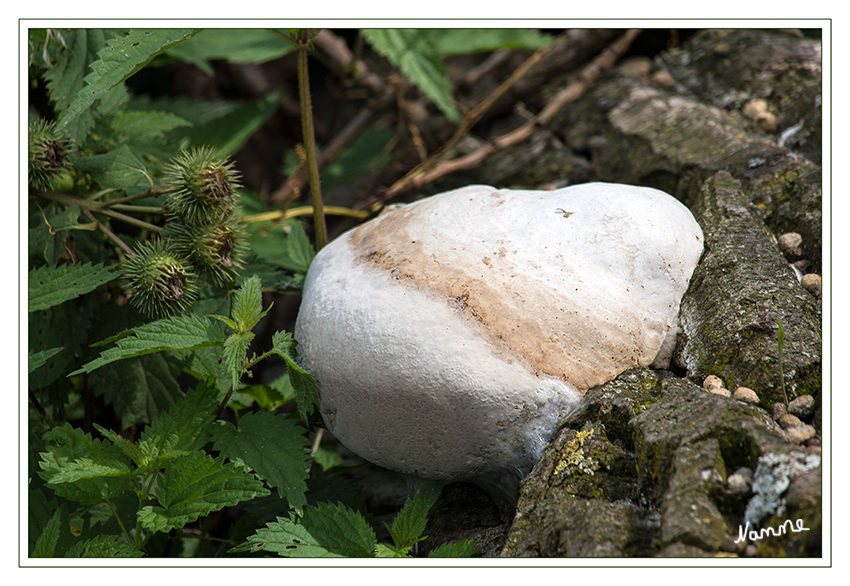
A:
[(745, 531)]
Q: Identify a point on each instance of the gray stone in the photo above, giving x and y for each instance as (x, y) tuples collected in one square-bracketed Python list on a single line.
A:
[(738, 293), (803, 407)]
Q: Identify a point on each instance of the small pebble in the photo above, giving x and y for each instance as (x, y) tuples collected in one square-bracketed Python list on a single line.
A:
[(756, 110), (801, 433), (788, 421), (803, 407), (789, 243), (812, 283), (635, 67), (751, 551), (662, 78), (721, 391), (741, 482), (746, 395), (779, 409), (712, 382)]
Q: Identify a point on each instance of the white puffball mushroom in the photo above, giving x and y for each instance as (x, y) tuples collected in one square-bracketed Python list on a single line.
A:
[(451, 336)]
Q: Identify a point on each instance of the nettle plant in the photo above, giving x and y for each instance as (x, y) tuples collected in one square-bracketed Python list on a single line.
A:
[(147, 274)]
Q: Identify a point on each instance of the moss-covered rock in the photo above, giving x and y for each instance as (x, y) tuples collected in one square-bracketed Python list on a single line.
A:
[(741, 289)]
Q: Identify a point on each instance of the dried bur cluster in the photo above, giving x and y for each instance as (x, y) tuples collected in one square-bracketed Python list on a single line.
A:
[(201, 239)]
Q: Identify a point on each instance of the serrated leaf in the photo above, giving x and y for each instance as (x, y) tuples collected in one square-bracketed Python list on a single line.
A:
[(291, 251), (228, 133), (248, 307), (464, 41), (103, 546), (410, 522), (414, 53), (138, 123), (326, 530), (65, 325), (182, 332), (464, 548), (273, 446), (183, 429), (194, 485), (130, 449), (139, 389), (38, 359), (49, 286), (80, 468), (235, 347), (385, 550), (117, 168), (306, 389), (121, 58), (234, 45), (45, 546), (66, 78)]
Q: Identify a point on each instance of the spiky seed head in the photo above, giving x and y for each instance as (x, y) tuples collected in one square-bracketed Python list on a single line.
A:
[(161, 281), (215, 250), (48, 155), (201, 187)]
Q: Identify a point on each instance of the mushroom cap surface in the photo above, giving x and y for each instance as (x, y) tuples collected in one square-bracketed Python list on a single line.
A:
[(451, 336)]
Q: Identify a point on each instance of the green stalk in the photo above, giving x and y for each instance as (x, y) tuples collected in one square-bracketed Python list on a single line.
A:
[(310, 141)]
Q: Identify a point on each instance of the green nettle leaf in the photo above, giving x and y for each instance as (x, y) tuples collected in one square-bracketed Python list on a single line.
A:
[(140, 389), (292, 251), (103, 546), (454, 41), (414, 53), (248, 308), (273, 446), (231, 131), (464, 548), (194, 485), (184, 429), (120, 59), (118, 168), (49, 537), (39, 359), (49, 286), (385, 550), (66, 78), (234, 45), (182, 332), (306, 389), (410, 522), (138, 123), (83, 469), (325, 530), (235, 347)]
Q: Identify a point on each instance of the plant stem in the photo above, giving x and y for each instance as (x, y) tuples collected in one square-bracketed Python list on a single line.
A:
[(310, 141), (304, 211), (110, 234)]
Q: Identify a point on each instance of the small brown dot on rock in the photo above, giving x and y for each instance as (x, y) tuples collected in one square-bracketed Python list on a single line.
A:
[(662, 78), (803, 407), (788, 421), (753, 108), (712, 382), (811, 283), (746, 395), (789, 240), (801, 433)]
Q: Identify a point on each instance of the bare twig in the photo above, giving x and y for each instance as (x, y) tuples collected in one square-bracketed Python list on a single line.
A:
[(473, 116), (588, 75)]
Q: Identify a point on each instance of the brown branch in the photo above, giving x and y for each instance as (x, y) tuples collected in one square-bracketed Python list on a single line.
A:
[(473, 116), (600, 65)]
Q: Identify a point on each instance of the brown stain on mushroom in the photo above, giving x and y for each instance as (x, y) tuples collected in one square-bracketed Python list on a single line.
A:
[(521, 318)]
